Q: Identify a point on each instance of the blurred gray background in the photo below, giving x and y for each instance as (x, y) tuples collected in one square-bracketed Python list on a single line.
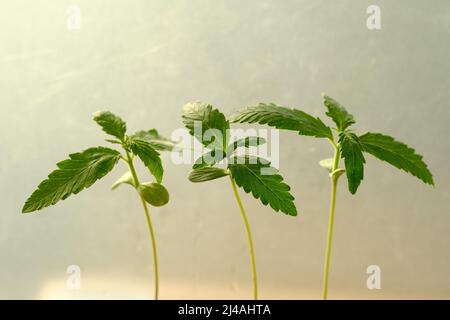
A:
[(144, 60)]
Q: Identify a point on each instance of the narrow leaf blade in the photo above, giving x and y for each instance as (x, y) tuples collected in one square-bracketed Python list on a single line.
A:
[(78, 172), (353, 158), (157, 141), (270, 189), (338, 113), (284, 118), (207, 174), (397, 154), (246, 142), (200, 118), (149, 156), (111, 124)]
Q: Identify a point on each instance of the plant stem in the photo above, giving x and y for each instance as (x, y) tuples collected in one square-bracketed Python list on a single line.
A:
[(250, 240), (149, 223), (334, 180)]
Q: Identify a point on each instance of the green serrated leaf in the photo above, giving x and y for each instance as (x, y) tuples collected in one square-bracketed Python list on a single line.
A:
[(206, 174), (111, 124), (351, 152), (157, 141), (209, 159), (149, 156), (270, 189), (397, 154), (284, 118), (200, 119), (338, 113), (78, 172), (246, 142), (113, 141), (126, 178)]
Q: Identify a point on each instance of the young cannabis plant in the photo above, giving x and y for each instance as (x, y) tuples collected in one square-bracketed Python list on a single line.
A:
[(82, 169), (347, 145), (255, 175)]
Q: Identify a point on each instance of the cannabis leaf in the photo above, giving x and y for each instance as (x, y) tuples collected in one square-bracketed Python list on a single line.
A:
[(78, 172), (148, 155), (206, 174), (397, 154), (270, 189), (348, 146), (338, 113), (210, 158), (82, 169), (284, 118), (206, 124), (254, 175), (246, 143), (157, 141), (111, 124), (353, 158)]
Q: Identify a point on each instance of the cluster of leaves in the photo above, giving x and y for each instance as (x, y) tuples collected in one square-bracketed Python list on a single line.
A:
[(83, 169), (255, 175), (350, 145)]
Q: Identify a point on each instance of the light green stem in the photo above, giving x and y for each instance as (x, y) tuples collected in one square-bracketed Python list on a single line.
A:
[(149, 223), (250, 240), (334, 181)]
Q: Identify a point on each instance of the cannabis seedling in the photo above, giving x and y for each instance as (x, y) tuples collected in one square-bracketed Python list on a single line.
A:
[(82, 169), (255, 175), (348, 145)]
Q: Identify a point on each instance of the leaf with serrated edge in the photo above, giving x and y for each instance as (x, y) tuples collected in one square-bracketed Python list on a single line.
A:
[(206, 174), (338, 113), (246, 142), (157, 141), (149, 156), (397, 154), (111, 124), (270, 189), (353, 158), (73, 175), (211, 122), (284, 118)]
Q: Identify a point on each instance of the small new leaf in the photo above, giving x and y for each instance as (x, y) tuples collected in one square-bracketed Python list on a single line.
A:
[(270, 189), (353, 158), (397, 154), (209, 159), (284, 118), (149, 156), (111, 124), (78, 172), (338, 113), (201, 119), (157, 141), (246, 143), (206, 174)]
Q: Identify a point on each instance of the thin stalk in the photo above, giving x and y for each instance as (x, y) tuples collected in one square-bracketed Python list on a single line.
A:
[(149, 223), (250, 240), (334, 181)]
